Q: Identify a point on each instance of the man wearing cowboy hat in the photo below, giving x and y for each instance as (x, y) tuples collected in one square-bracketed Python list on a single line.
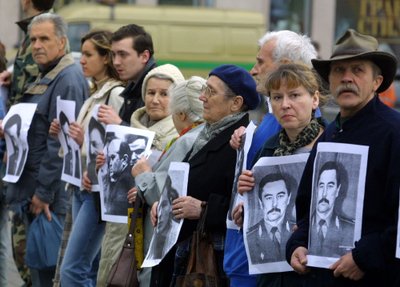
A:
[(356, 73)]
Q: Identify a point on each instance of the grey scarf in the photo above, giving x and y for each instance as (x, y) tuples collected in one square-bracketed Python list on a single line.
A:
[(210, 131)]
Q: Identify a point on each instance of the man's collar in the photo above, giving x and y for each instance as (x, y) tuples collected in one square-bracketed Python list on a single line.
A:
[(24, 23), (50, 66), (343, 125)]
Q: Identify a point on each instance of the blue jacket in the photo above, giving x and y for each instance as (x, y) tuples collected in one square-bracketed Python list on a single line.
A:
[(377, 127), (42, 171), (235, 259)]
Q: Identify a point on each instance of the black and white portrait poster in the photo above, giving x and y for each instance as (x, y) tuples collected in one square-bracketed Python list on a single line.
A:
[(337, 201), (16, 126), (167, 230), (241, 159), (269, 212), (95, 136), (71, 171), (123, 147), (398, 234)]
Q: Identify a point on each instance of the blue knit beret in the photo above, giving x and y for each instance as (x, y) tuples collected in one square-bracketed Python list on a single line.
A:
[(240, 82)]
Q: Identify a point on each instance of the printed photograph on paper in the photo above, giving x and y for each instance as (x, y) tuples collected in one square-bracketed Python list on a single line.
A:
[(241, 159), (398, 235), (168, 227), (16, 126), (269, 212), (123, 147), (95, 137), (71, 171), (336, 202)]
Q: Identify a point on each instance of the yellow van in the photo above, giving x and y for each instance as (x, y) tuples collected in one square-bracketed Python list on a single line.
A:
[(194, 39)]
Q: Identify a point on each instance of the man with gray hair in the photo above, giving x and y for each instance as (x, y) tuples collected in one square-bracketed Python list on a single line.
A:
[(356, 73), (24, 73), (275, 48), (40, 189)]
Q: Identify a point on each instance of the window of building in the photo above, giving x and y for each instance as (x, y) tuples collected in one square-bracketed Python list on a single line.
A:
[(291, 15)]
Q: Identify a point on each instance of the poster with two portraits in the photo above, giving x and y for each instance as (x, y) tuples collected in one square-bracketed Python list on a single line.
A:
[(270, 213), (123, 146)]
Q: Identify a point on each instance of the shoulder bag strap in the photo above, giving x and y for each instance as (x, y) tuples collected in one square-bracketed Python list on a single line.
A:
[(134, 215), (109, 93)]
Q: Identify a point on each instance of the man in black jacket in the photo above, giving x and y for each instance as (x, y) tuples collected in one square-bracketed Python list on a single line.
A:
[(356, 73), (133, 58)]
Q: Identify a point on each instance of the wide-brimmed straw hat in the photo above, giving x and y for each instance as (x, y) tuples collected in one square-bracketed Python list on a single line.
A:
[(353, 45)]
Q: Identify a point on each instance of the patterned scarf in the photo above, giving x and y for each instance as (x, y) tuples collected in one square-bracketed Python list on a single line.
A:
[(305, 137), (212, 130)]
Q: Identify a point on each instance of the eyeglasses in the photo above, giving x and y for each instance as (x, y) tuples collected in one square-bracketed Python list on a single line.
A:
[(208, 92)]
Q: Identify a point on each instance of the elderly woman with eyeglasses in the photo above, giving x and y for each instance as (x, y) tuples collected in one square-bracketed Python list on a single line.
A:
[(229, 93)]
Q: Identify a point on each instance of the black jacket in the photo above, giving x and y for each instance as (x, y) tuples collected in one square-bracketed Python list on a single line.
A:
[(132, 95), (211, 179)]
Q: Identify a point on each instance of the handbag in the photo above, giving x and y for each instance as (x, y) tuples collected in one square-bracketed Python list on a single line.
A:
[(124, 270), (43, 242), (202, 265)]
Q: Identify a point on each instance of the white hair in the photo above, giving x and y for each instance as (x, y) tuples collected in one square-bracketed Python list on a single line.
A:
[(185, 98), (291, 46)]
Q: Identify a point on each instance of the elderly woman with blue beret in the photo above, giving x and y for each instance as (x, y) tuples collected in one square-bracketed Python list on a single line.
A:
[(229, 93)]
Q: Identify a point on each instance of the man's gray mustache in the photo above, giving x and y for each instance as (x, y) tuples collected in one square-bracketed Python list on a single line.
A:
[(346, 88)]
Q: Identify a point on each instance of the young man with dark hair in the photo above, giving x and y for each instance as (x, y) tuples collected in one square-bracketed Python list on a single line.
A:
[(133, 58)]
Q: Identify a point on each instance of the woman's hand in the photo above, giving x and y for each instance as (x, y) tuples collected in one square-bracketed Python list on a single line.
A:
[(245, 182), (186, 207), (141, 166), (298, 260), (107, 115), (86, 182), (100, 160), (55, 128), (132, 193), (237, 215), (236, 138), (76, 132), (153, 214)]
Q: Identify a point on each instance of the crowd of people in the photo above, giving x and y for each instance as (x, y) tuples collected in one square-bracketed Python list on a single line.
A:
[(202, 122)]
